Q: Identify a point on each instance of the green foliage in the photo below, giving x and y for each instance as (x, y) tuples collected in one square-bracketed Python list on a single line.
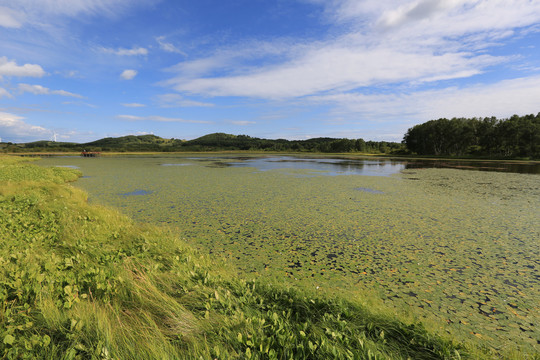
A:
[(84, 282), (518, 136), (210, 142), (10, 171)]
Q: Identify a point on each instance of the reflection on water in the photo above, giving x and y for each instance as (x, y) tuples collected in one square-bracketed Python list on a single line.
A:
[(514, 167), (322, 166), (368, 190), (369, 167), (326, 166), (347, 166), (137, 192)]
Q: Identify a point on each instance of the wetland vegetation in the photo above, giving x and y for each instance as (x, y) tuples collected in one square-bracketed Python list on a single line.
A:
[(83, 281), (455, 249)]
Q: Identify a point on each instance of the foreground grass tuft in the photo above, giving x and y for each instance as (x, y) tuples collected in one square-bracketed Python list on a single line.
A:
[(85, 282)]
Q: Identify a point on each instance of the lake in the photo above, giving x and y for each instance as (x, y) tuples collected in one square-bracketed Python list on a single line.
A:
[(456, 249)]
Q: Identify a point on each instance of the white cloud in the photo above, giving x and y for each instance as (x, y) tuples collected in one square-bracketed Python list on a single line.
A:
[(79, 103), (35, 10), (128, 74), (338, 67), (388, 43), (230, 59), (159, 119), (10, 68), (4, 93), (13, 128), (166, 46), (9, 18), (176, 100), (448, 16), (40, 90), (242, 123), (501, 99), (126, 52), (133, 105)]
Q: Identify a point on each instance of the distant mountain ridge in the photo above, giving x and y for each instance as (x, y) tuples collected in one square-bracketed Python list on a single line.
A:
[(517, 137), (209, 142)]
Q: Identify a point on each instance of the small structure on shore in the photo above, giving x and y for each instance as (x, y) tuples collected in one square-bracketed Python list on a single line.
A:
[(85, 153)]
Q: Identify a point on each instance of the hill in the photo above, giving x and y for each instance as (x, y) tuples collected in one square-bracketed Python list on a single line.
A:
[(210, 142)]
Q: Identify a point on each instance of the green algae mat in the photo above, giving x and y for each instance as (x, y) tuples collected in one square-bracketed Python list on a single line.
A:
[(458, 249)]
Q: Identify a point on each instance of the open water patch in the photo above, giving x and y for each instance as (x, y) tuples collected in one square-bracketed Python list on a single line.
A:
[(321, 167), (136, 193), (175, 164), (368, 190)]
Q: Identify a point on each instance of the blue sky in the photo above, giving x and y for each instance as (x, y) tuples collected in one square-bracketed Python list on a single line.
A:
[(80, 70)]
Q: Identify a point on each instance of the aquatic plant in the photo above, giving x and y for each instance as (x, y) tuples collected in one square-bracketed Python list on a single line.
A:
[(455, 249), (84, 281)]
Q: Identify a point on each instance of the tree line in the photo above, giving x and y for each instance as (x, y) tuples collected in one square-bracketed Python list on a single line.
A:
[(221, 141), (515, 137), (210, 142)]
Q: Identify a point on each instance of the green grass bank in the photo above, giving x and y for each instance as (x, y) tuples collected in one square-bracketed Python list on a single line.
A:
[(80, 281)]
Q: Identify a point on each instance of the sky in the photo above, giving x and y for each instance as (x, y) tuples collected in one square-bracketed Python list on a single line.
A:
[(82, 70)]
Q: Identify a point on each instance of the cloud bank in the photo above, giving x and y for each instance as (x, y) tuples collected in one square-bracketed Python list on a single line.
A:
[(394, 42), (13, 127)]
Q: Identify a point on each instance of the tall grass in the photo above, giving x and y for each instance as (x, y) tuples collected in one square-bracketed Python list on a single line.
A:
[(85, 282)]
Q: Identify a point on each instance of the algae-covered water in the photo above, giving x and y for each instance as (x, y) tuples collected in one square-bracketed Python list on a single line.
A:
[(455, 246)]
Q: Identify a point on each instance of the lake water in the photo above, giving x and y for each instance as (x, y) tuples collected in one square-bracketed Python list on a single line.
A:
[(349, 166), (313, 166), (459, 249), (328, 166)]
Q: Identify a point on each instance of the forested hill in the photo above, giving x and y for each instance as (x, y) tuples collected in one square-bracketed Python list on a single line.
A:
[(516, 137), (210, 142)]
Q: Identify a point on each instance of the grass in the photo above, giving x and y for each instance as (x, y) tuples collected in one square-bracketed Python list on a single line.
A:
[(80, 281)]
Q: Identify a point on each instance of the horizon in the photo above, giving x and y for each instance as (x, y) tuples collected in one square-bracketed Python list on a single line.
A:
[(83, 70), (236, 135)]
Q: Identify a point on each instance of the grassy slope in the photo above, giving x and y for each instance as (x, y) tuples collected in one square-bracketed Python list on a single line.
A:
[(81, 281)]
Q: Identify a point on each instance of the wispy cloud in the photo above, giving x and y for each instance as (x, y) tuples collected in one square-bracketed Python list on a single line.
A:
[(177, 100), (41, 90), (167, 46), (339, 68), (79, 103), (133, 105), (242, 123), (501, 99), (159, 119), (10, 68), (237, 58), (10, 18), (20, 12), (416, 41), (5, 93), (126, 52), (128, 74)]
